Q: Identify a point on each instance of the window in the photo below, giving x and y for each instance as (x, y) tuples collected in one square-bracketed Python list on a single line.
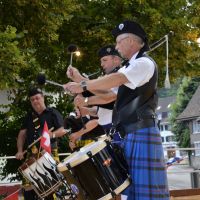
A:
[(163, 139), (197, 145), (170, 138), (165, 127), (164, 114), (196, 126)]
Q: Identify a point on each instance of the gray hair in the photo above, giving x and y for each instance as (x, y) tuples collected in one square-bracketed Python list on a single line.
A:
[(137, 38)]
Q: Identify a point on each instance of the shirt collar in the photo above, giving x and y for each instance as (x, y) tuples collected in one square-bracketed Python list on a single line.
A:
[(132, 59), (47, 109)]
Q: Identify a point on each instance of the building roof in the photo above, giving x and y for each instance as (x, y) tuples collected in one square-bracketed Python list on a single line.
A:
[(193, 108)]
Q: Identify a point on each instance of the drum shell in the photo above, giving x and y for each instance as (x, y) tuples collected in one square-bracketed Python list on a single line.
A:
[(74, 185), (102, 172), (41, 172)]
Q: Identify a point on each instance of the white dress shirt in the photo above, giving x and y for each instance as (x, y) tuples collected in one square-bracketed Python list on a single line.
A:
[(138, 72)]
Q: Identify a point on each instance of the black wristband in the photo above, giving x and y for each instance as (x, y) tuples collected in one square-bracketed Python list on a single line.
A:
[(84, 85)]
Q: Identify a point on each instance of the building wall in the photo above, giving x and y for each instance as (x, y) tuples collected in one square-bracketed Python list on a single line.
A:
[(194, 138), (195, 162), (168, 139)]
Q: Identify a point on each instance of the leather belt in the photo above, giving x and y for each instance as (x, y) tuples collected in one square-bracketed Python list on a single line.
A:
[(144, 123)]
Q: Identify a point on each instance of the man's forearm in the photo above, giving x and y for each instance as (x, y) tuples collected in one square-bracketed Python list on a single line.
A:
[(59, 132), (100, 100), (107, 82), (21, 140)]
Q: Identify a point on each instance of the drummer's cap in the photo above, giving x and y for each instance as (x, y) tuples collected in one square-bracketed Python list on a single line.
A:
[(34, 91), (107, 51), (131, 27)]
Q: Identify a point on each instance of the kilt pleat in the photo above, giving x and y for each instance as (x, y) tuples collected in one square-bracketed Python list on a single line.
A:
[(144, 154)]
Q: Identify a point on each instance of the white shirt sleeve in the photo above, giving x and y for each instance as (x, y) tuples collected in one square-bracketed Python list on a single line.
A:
[(115, 90), (138, 72)]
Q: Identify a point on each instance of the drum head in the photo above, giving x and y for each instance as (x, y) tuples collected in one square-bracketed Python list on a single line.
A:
[(83, 154)]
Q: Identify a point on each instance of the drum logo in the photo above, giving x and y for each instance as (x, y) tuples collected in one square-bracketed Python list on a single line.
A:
[(107, 162), (74, 188)]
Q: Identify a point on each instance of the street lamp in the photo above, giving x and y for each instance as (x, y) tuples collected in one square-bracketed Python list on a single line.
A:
[(167, 82), (73, 49), (198, 41)]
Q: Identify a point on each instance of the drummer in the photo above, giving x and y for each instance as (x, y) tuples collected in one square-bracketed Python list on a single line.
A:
[(135, 112), (32, 128), (110, 62), (84, 130)]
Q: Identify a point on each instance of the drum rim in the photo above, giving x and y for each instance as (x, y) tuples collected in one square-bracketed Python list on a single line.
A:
[(117, 190), (31, 160), (43, 156), (63, 165)]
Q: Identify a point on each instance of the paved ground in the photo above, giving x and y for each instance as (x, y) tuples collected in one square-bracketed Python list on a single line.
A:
[(179, 176)]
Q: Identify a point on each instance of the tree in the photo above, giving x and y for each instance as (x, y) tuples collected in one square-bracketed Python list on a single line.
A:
[(91, 27), (46, 28), (184, 94)]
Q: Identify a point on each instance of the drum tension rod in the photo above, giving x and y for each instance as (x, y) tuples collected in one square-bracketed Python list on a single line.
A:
[(68, 166), (113, 193), (89, 153)]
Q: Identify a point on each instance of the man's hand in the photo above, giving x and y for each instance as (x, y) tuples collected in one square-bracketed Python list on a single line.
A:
[(74, 88), (74, 136), (50, 133), (74, 74), (79, 101), (19, 155), (72, 145)]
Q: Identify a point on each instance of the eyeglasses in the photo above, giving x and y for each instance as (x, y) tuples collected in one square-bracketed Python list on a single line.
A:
[(119, 41)]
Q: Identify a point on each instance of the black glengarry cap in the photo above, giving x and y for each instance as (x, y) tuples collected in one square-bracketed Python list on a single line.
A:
[(107, 51), (134, 28)]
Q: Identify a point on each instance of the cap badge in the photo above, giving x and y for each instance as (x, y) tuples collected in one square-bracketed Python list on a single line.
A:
[(108, 50), (121, 26)]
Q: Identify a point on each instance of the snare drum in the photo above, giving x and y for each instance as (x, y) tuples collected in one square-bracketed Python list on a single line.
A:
[(42, 174), (99, 170)]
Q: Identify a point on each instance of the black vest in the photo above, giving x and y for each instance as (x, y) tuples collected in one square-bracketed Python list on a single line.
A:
[(138, 104)]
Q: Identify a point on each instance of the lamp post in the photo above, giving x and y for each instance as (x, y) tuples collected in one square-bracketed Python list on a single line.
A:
[(167, 82), (156, 45)]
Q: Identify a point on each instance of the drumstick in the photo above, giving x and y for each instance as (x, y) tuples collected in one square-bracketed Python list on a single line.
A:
[(29, 146)]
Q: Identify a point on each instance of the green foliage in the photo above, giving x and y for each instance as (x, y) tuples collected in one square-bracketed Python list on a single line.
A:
[(11, 57), (48, 27), (166, 92), (11, 121), (184, 94)]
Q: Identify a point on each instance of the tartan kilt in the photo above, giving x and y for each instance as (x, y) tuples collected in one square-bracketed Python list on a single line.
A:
[(144, 154)]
